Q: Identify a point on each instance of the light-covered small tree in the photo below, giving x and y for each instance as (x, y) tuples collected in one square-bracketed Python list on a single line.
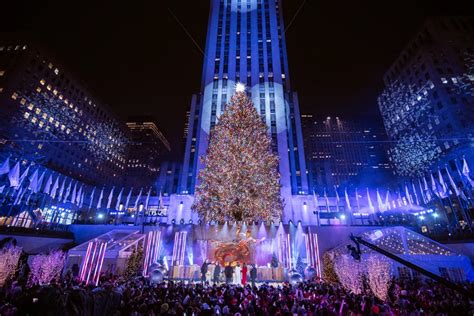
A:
[(350, 273), (9, 257), (45, 268), (379, 275)]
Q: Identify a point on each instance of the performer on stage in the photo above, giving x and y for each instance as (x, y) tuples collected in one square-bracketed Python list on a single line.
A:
[(253, 275), (217, 273), (237, 274), (228, 271), (204, 268), (244, 274)]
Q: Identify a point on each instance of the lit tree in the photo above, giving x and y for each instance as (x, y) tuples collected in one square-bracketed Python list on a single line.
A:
[(240, 179), (350, 273), (329, 273), (379, 276), (135, 263), (44, 268), (9, 257)]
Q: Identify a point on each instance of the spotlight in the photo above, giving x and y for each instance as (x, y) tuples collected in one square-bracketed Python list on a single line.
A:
[(343, 217), (421, 217), (435, 215), (100, 216)]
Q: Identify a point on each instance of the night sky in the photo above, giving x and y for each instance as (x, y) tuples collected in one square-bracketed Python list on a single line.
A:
[(137, 59)]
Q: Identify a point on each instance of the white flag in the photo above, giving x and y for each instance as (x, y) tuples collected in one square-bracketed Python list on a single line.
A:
[(99, 203), (49, 183), (371, 206), (14, 176), (348, 202), (466, 172), (61, 190), (111, 196), (73, 195), (91, 199), (33, 186), (54, 189), (68, 191), (443, 189), (79, 196), (147, 199), (128, 199), (5, 167), (138, 199), (452, 183), (119, 198), (24, 175), (380, 202), (427, 189), (40, 181)]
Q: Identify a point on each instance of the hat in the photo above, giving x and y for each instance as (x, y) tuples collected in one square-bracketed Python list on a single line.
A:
[(164, 308)]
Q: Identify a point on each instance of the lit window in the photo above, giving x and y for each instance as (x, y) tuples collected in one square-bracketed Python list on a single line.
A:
[(41, 123), (2, 72), (38, 111), (444, 81), (45, 115), (55, 92), (26, 115), (23, 101), (30, 106), (42, 81), (38, 89), (40, 146), (51, 120), (63, 127), (14, 96), (56, 124), (49, 87), (34, 119), (50, 66), (56, 71)]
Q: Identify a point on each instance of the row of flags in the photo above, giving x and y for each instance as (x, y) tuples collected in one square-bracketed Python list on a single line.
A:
[(416, 192), (65, 190)]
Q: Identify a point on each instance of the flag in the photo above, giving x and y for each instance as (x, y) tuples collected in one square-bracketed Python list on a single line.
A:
[(348, 202), (337, 199), (128, 199), (369, 201), (40, 181), (54, 189), (68, 191), (74, 193), (380, 202), (99, 203), (160, 200), (452, 183), (24, 175), (387, 201), (427, 190), (408, 195), (81, 202), (327, 200), (357, 199), (399, 199), (119, 198), (138, 198), (442, 184), (79, 196), (14, 176), (417, 202), (423, 196), (61, 190), (466, 172), (111, 196), (49, 183), (91, 199), (147, 199), (33, 186), (5, 167), (2, 188), (19, 196)]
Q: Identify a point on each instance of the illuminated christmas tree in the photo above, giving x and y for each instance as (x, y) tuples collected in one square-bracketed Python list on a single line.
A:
[(240, 179)]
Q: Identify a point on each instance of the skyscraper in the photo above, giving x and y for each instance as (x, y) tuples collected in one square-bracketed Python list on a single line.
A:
[(346, 153), (246, 43), (428, 101), (146, 152)]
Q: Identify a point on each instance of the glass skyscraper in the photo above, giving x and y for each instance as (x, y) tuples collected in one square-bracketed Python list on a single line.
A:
[(246, 43)]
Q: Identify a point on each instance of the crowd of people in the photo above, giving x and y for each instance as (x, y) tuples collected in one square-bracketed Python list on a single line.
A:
[(138, 296)]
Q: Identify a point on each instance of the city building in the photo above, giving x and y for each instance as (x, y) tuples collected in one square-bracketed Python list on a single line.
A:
[(428, 101), (147, 149), (344, 153), (168, 178), (49, 118), (246, 43)]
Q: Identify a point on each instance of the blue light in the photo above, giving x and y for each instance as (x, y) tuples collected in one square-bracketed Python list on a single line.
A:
[(343, 217), (421, 217), (100, 216), (435, 215)]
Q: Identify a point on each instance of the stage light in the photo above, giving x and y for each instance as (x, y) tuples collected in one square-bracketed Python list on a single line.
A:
[(343, 217), (435, 215), (239, 87), (100, 216), (421, 217)]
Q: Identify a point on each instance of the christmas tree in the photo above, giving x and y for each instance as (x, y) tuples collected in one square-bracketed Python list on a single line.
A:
[(134, 263), (240, 179)]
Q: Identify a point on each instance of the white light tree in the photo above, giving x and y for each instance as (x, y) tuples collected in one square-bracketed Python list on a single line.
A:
[(9, 257), (379, 275), (350, 273), (44, 268)]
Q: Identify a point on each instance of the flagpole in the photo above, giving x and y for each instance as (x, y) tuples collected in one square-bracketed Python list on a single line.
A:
[(465, 185), (464, 214)]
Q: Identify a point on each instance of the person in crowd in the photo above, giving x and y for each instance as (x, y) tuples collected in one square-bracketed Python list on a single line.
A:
[(237, 274), (217, 273), (244, 274)]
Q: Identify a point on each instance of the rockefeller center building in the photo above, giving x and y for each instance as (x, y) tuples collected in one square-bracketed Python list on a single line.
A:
[(428, 101), (246, 43), (346, 153), (49, 118), (147, 150)]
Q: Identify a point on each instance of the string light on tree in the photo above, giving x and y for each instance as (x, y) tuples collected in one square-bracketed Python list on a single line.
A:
[(240, 179)]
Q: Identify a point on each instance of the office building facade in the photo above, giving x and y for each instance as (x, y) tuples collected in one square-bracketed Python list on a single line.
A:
[(246, 43)]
